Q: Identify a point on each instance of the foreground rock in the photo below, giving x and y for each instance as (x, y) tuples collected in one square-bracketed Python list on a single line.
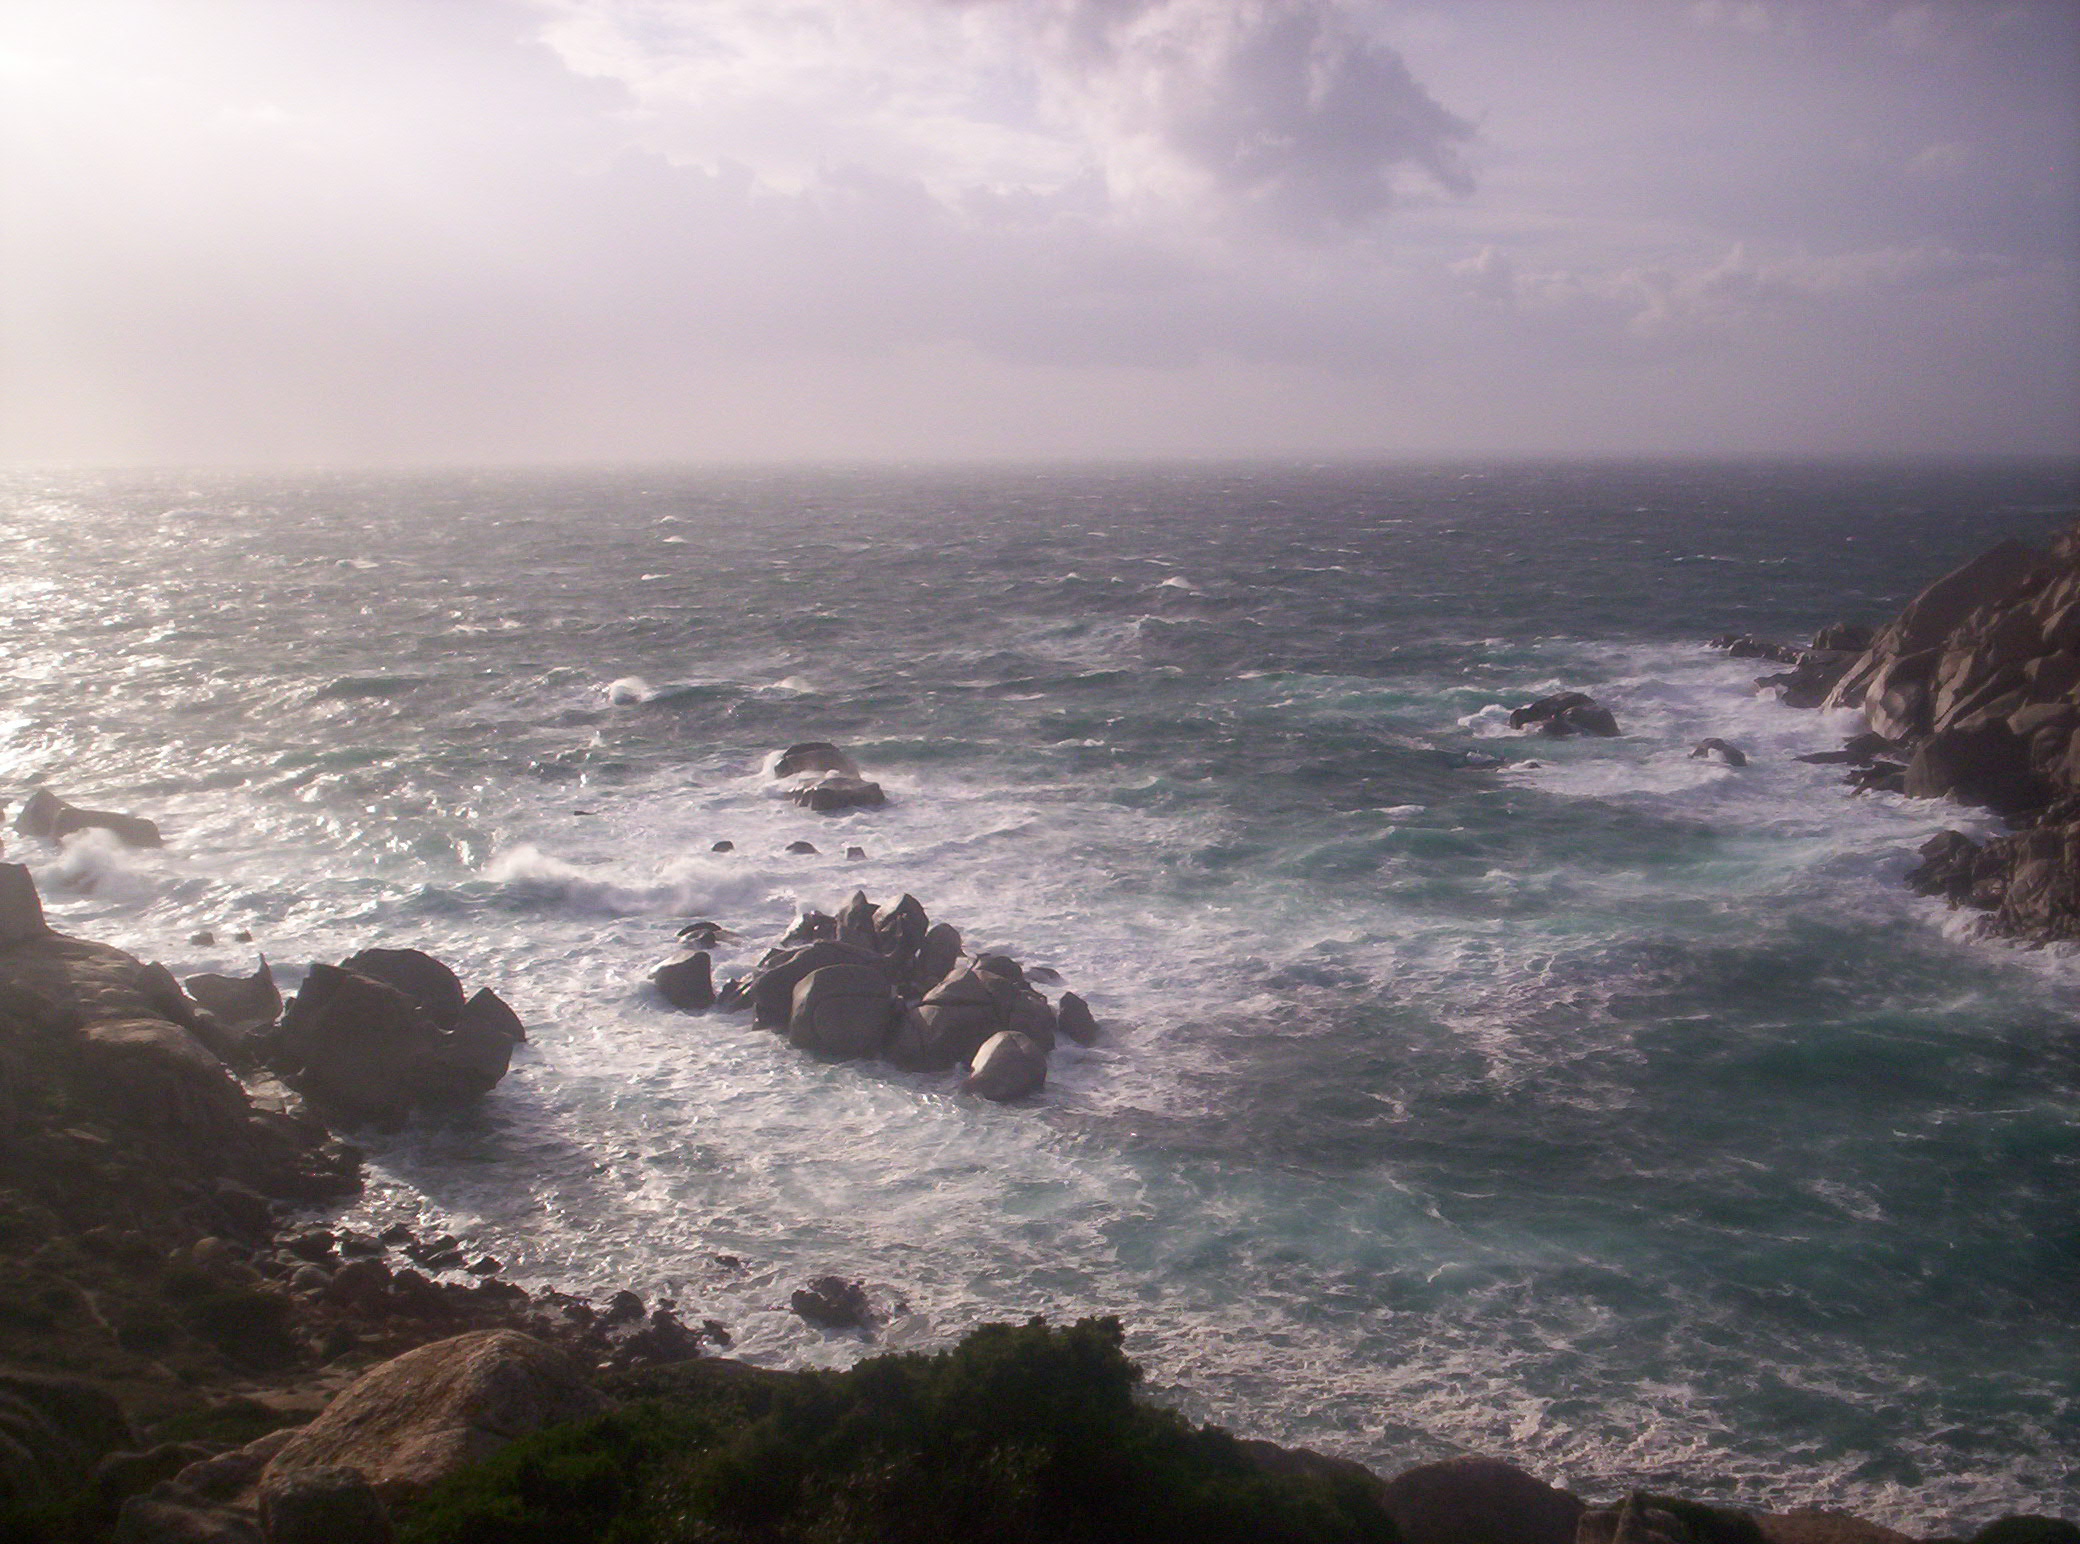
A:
[(424, 1415), (1975, 689), (389, 1031)]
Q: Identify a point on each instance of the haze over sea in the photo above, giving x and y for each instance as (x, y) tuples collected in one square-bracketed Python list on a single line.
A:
[(1577, 1102)]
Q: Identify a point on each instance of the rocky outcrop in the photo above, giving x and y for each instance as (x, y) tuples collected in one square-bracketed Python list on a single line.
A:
[(1975, 688), (888, 981), (389, 1031), (827, 780)]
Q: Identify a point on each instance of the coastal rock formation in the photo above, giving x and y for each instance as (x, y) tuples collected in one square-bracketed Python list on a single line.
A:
[(829, 779), (389, 1030), (888, 981), (1565, 713), (49, 818), (1974, 686), (1720, 751)]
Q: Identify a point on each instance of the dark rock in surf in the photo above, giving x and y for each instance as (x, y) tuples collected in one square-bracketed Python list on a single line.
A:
[(1072, 1016), (1566, 713), (688, 984), (48, 818), (1747, 646), (1718, 750), (833, 1303), (801, 848), (724, 846), (834, 792), (814, 756), (1007, 1066)]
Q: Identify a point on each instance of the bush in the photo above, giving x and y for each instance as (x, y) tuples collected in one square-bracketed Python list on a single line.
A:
[(1022, 1434)]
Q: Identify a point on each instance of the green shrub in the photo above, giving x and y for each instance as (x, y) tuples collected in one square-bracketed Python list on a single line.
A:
[(1022, 1434)]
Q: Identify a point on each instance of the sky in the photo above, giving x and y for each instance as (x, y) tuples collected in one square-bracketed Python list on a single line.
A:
[(401, 232)]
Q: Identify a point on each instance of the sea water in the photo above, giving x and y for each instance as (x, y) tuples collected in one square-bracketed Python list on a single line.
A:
[(1577, 1102)]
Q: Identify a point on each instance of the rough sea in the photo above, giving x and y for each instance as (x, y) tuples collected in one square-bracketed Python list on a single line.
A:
[(1609, 1111)]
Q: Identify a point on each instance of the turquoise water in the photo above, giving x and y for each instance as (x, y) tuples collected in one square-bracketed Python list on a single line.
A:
[(1581, 1103)]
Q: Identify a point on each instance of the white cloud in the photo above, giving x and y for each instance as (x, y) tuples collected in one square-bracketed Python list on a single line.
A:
[(1286, 113)]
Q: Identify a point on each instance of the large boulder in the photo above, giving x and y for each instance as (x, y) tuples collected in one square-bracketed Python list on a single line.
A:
[(370, 1052), (49, 818), (423, 1416), (421, 977), (688, 984), (1479, 1501), (1008, 1066), (1931, 617), (843, 1011), (772, 993)]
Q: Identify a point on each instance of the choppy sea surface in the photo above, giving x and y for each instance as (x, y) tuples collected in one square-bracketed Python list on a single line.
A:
[(1577, 1102)]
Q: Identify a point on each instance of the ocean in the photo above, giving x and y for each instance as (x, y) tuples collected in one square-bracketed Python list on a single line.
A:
[(1612, 1112)]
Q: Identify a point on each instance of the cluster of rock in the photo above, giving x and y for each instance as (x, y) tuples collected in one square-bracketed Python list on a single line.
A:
[(1973, 692), (826, 779), (890, 982), (387, 1031)]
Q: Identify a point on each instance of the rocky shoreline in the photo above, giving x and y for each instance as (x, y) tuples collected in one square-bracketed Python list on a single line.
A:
[(1972, 693)]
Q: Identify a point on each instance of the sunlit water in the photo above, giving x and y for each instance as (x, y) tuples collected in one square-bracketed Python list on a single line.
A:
[(1606, 1110)]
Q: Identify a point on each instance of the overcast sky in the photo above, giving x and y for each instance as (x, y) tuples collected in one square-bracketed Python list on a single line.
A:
[(399, 231)]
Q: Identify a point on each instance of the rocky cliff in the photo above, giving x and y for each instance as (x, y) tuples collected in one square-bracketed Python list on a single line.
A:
[(1972, 691)]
